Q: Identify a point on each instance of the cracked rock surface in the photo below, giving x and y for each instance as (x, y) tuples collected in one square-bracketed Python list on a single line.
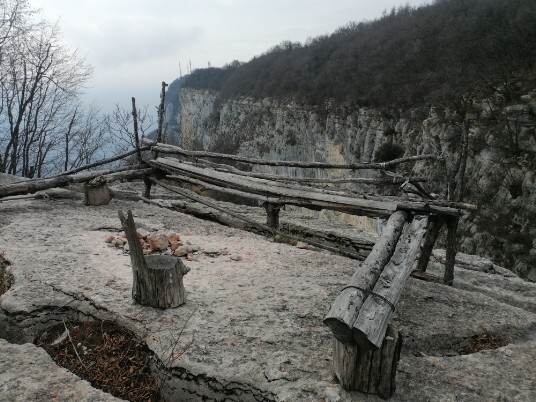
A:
[(28, 373), (252, 328)]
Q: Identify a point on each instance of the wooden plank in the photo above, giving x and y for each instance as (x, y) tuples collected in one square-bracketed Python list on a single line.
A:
[(285, 194), (377, 311), (394, 180), (170, 149), (345, 309), (252, 225)]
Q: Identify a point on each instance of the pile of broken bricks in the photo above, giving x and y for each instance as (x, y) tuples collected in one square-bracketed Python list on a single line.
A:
[(166, 243)]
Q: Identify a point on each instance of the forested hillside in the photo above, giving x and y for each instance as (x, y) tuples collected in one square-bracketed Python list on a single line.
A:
[(408, 57)]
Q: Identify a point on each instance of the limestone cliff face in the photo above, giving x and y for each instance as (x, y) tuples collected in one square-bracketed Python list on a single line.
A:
[(500, 168)]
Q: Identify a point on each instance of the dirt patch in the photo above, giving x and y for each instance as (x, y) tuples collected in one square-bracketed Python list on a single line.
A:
[(485, 341), (109, 357)]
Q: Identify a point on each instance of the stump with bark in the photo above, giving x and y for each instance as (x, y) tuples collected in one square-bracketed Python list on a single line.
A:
[(157, 279), (97, 192), (367, 370)]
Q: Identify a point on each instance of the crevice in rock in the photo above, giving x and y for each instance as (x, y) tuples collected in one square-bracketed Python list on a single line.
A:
[(6, 278), (450, 346), (90, 339), (108, 356)]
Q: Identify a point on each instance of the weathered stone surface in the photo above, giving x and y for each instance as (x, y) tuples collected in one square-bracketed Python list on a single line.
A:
[(246, 321), (28, 373), (505, 374)]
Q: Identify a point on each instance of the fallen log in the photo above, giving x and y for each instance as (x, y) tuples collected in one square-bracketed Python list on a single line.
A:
[(345, 309), (377, 310), (170, 149), (120, 173), (33, 186), (105, 161)]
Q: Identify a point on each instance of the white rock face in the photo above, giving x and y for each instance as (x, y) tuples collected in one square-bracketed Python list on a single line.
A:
[(500, 171)]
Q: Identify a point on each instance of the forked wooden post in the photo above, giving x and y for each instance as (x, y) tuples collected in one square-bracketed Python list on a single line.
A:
[(157, 279)]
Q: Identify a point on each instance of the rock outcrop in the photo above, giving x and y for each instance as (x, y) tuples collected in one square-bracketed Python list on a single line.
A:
[(500, 168), (252, 327)]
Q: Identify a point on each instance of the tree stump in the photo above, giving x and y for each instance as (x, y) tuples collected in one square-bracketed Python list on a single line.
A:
[(97, 192), (367, 370), (157, 279)]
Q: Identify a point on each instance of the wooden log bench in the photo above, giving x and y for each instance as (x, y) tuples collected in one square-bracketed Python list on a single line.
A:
[(366, 348), (157, 279)]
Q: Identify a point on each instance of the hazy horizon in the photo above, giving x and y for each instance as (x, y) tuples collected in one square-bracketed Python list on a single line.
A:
[(135, 45)]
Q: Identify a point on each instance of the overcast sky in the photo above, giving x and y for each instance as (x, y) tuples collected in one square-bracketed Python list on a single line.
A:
[(134, 45)]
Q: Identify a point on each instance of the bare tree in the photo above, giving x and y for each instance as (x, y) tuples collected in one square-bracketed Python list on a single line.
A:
[(120, 125), (41, 80), (85, 137)]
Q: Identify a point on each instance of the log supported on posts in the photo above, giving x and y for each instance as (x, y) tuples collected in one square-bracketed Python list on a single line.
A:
[(366, 370), (377, 310), (345, 308), (171, 149), (157, 279)]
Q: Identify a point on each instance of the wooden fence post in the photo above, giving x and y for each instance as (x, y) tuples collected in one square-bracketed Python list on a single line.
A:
[(435, 222), (272, 215), (450, 258), (366, 370)]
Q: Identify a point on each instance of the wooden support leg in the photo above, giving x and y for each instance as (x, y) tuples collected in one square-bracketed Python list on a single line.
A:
[(148, 185), (435, 222), (272, 215), (368, 371), (450, 259)]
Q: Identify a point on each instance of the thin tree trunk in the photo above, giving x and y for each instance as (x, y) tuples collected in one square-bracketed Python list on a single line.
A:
[(136, 135)]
